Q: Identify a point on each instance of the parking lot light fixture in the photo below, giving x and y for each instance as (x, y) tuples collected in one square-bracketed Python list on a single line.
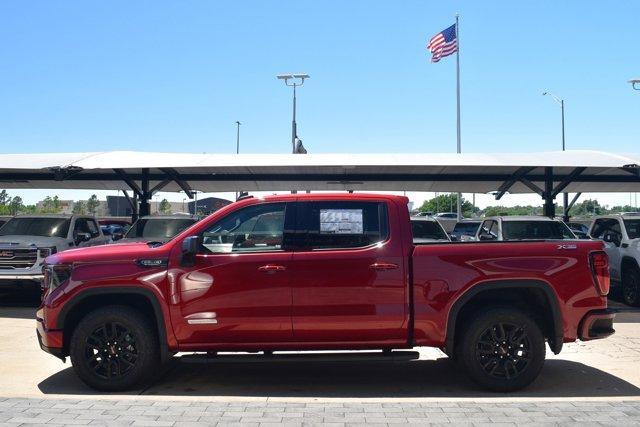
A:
[(565, 196), (635, 83), (293, 80)]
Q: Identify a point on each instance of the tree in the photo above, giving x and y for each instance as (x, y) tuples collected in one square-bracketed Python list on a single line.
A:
[(512, 210), (448, 203), (588, 207), (79, 208), (50, 204), (92, 204), (165, 206), (5, 199), (15, 205)]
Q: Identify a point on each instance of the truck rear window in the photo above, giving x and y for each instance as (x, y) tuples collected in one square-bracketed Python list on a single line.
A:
[(45, 227), (341, 224), (633, 228), (534, 230)]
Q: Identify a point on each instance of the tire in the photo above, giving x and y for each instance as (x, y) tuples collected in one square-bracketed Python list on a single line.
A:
[(99, 357), (497, 366), (630, 288)]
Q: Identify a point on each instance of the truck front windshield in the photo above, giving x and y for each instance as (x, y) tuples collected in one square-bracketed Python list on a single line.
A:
[(158, 228), (633, 228), (44, 227), (535, 230)]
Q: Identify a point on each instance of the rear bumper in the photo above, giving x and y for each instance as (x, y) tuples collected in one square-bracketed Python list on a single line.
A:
[(50, 341), (597, 324)]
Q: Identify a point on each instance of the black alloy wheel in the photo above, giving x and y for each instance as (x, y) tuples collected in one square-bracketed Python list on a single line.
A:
[(111, 350), (502, 349), (114, 348), (631, 286)]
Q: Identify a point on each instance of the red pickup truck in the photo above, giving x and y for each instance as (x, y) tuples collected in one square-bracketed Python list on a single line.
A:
[(320, 272)]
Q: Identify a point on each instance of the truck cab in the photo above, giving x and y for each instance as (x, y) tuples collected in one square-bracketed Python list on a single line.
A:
[(621, 236)]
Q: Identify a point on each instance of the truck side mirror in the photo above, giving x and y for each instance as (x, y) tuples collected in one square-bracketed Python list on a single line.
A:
[(189, 250)]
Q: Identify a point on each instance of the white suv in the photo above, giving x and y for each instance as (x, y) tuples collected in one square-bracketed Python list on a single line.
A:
[(519, 227), (621, 235)]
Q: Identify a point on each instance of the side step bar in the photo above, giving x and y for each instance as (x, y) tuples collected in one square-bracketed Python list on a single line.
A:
[(268, 357)]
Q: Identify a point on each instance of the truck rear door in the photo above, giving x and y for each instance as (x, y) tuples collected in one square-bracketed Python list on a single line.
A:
[(348, 278)]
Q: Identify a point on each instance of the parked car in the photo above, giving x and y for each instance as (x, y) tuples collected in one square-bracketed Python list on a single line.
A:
[(523, 228), (451, 215), (621, 236), (320, 272), (580, 230), (26, 240), (159, 228), (113, 232), (465, 230), (427, 230)]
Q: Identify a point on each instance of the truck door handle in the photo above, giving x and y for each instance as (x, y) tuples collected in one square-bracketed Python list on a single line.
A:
[(383, 266), (272, 267)]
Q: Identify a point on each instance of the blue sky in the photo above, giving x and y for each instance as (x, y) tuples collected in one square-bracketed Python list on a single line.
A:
[(175, 76)]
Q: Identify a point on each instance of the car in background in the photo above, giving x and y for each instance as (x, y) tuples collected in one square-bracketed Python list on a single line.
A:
[(501, 228), (621, 236), (580, 230), (449, 215), (427, 230), (465, 230), (425, 213), (26, 240), (158, 228), (113, 231)]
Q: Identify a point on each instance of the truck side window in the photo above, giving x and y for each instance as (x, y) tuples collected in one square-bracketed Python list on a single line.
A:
[(604, 227), (341, 225), (256, 228), (84, 225), (488, 230)]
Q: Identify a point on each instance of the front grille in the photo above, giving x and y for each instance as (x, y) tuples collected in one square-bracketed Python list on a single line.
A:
[(11, 259)]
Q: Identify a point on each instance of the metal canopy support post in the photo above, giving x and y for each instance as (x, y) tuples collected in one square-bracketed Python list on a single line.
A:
[(134, 205), (174, 176), (146, 195), (573, 202), (549, 208)]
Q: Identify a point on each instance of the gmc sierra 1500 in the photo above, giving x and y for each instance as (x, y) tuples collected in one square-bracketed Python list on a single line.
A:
[(320, 272)]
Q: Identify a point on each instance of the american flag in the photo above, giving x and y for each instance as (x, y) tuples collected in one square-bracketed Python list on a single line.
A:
[(443, 44)]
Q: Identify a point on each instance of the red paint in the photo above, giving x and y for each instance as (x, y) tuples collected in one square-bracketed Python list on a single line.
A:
[(300, 299)]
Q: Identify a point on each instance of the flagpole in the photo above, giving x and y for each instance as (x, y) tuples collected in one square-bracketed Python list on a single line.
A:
[(459, 207)]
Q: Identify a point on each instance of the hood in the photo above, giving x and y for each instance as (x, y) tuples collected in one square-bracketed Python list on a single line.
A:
[(17, 241), (141, 239), (124, 251)]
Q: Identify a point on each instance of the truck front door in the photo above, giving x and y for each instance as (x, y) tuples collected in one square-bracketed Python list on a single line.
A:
[(239, 289), (348, 277)]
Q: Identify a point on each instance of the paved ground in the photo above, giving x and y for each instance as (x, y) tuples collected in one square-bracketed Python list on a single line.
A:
[(594, 382)]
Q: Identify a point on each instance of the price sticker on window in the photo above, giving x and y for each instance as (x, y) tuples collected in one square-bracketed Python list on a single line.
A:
[(341, 221)]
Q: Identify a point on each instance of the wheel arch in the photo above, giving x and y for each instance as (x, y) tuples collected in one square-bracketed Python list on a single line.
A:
[(629, 261), (524, 286), (72, 312)]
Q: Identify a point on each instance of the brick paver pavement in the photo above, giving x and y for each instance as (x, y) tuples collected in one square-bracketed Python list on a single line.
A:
[(149, 412)]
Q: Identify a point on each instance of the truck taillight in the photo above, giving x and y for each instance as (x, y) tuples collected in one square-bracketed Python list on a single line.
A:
[(600, 271)]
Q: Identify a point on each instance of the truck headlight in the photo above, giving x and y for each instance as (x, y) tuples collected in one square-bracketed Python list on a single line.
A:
[(45, 252), (54, 276)]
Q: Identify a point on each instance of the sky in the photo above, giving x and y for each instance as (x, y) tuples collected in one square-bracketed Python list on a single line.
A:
[(175, 76)]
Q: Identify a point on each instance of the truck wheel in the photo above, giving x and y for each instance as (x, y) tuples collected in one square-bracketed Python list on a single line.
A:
[(114, 348), (502, 349), (631, 286)]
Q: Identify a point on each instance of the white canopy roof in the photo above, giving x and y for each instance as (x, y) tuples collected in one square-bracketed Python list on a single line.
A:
[(587, 171)]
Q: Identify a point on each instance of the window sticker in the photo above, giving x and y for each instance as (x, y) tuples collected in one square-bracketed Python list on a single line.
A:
[(341, 221)]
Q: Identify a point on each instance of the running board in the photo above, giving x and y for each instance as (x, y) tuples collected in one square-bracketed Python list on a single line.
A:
[(392, 356)]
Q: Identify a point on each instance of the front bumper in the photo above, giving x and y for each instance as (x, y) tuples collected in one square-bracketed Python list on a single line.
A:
[(50, 341), (597, 324)]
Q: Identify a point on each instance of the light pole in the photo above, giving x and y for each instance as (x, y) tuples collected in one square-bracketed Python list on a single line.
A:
[(293, 80), (237, 144), (635, 83), (565, 196)]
